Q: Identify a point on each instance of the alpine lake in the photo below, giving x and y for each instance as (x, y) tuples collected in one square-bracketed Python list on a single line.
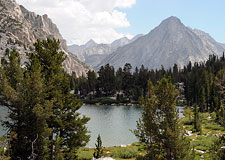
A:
[(113, 123)]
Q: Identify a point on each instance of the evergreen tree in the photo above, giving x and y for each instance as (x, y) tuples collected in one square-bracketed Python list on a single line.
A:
[(159, 127), (107, 80), (92, 81), (202, 99), (143, 78), (68, 128), (220, 86), (197, 123), (128, 81), (221, 115), (217, 151), (98, 150), (22, 93), (119, 79), (43, 114), (175, 73)]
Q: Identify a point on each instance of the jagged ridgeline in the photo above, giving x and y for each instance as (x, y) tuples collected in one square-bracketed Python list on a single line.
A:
[(20, 28)]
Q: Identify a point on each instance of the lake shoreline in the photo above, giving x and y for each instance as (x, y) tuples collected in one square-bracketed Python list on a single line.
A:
[(114, 104), (112, 101)]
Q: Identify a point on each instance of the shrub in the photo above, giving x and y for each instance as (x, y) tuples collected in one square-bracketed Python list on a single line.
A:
[(213, 115), (204, 143), (213, 126), (108, 101), (125, 153), (188, 122)]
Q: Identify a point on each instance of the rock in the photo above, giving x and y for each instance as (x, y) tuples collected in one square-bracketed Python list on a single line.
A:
[(20, 28), (169, 43), (189, 133), (200, 151), (123, 145), (92, 53)]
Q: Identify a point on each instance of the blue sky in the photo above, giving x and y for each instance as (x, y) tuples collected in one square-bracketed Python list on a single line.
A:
[(206, 15), (107, 20)]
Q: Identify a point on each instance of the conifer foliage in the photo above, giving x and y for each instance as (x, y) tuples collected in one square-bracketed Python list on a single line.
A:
[(42, 113), (159, 127), (197, 123), (98, 150)]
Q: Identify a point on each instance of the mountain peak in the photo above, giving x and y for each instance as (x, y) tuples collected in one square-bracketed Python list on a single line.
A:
[(171, 20), (169, 43), (90, 43)]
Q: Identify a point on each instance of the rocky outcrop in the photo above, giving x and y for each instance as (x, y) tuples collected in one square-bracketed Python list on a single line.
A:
[(20, 28)]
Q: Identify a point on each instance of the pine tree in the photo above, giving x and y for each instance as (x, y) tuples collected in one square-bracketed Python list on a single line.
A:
[(221, 115), (197, 123), (220, 86), (119, 79), (107, 80), (68, 128), (22, 93), (217, 150), (98, 150), (43, 114), (202, 99), (159, 127), (92, 81)]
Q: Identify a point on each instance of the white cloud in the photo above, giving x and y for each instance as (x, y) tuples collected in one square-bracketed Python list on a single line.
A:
[(125, 3), (82, 20)]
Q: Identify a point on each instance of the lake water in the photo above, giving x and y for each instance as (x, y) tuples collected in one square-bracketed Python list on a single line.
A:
[(113, 123)]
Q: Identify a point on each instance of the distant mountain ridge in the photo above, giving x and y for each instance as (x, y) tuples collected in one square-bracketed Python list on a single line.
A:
[(20, 28), (92, 53), (169, 43)]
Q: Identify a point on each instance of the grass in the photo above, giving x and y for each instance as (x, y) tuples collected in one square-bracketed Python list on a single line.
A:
[(210, 130), (119, 153)]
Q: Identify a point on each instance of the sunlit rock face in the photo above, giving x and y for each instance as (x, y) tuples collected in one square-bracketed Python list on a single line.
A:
[(20, 28)]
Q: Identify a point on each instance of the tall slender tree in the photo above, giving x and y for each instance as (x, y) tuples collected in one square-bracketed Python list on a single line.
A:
[(68, 128), (197, 123), (98, 150), (159, 126)]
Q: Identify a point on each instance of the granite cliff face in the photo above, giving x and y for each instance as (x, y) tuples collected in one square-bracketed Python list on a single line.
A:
[(20, 28), (169, 43)]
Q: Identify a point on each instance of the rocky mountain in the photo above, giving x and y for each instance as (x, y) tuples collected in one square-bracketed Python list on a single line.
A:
[(169, 43), (92, 53), (222, 44), (77, 48), (20, 28), (120, 42)]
